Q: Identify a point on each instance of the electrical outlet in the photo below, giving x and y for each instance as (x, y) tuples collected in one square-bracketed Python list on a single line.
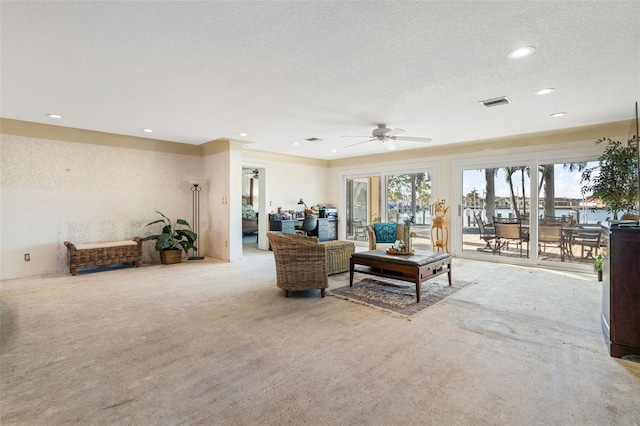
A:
[(27, 257)]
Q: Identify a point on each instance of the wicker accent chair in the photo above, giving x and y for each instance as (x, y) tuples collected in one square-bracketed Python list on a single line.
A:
[(373, 242), (301, 262)]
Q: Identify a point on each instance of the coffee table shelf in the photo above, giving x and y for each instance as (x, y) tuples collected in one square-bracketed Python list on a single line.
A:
[(416, 268)]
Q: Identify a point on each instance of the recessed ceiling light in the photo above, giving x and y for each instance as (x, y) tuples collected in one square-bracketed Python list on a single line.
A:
[(334, 150), (558, 114), (295, 143), (242, 134), (521, 52), (544, 91), (148, 130), (54, 116)]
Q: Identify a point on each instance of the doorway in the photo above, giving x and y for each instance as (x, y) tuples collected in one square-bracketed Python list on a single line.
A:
[(251, 206)]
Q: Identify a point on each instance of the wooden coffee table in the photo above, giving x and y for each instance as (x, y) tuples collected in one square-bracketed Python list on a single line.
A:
[(416, 268)]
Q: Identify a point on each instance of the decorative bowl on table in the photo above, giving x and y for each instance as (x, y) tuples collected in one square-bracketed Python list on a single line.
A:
[(395, 251)]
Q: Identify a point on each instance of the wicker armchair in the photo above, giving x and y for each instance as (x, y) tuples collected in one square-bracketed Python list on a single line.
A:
[(301, 262), (373, 242)]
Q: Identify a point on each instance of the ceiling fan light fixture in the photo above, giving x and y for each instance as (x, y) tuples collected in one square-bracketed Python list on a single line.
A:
[(389, 144)]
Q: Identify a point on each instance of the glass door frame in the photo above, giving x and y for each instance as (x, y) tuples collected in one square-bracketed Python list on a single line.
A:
[(381, 172), (532, 160)]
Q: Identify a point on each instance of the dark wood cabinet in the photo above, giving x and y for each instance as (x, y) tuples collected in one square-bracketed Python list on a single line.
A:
[(621, 289)]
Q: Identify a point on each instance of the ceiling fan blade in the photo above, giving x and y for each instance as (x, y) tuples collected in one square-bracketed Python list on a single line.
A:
[(354, 144), (412, 139), (353, 136), (389, 144), (394, 132)]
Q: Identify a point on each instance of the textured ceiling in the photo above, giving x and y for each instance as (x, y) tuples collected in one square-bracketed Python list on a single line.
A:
[(287, 71)]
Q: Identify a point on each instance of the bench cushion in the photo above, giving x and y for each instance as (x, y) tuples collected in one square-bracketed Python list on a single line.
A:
[(90, 246)]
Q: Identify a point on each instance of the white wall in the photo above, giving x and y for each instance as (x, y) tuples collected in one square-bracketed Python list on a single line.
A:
[(54, 191), (290, 178)]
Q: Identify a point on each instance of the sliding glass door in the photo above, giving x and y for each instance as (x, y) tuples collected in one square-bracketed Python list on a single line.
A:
[(492, 195), (569, 221), (409, 199), (389, 197), (362, 205), (533, 211)]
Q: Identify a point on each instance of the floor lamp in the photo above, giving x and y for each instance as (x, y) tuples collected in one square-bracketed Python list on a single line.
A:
[(195, 193)]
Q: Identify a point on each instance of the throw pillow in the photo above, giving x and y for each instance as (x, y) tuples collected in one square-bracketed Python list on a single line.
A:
[(385, 232)]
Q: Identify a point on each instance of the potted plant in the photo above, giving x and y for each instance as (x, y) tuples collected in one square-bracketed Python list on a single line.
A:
[(597, 266), (614, 180), (172, 240)]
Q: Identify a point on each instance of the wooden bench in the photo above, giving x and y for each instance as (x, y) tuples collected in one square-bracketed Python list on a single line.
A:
[(97, 254)]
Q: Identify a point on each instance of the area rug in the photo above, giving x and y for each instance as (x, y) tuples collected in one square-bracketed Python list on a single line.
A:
[(399, 297)]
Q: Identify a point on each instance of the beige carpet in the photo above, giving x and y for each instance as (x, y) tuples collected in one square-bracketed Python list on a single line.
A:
[(399, 297), (214, 343)]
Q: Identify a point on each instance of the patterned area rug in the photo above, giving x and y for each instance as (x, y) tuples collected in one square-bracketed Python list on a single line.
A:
[(399, 297)]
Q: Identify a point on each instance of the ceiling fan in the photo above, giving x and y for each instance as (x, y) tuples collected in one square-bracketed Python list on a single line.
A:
[(255, 173), (388, 137)]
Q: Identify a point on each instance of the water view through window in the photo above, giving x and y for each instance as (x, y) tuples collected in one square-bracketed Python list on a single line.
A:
[(498, 213)]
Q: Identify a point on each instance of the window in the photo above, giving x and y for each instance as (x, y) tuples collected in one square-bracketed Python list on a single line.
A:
[(549, 219), (405, 196)]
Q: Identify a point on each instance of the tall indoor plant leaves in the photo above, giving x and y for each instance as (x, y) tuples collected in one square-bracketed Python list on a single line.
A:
[(615, 179)]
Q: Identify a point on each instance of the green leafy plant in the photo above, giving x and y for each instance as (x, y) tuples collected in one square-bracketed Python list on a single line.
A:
[(615, 179), (171, 236)]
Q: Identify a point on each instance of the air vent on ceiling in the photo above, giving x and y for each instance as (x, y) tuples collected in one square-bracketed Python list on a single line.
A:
[(489, 103), (313, 139)]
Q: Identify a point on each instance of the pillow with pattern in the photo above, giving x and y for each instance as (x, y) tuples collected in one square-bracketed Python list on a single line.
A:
[(385, 232)]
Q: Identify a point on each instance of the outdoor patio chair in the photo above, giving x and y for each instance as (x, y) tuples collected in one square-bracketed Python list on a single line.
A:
[(588, 238), (359, 231), (551, 235), (509, 230), (487, 234)]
